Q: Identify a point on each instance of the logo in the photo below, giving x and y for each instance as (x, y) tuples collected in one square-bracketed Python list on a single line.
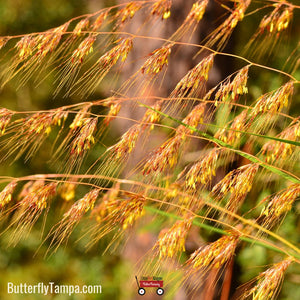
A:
[(150, 282)]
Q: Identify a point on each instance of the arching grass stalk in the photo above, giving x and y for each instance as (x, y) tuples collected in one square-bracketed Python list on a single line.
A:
[(293, 178), (246, 238)]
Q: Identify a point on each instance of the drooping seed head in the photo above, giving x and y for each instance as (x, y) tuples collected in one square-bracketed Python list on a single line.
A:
[(157, 60), (237, 183), (152, 116), (284, 18), (6, 194), (203, 170), (162, 8), (84, 136), (268, 282), (197, 11), (165, 156), (111, 57), (193, 119), (280, 204), (85, 48), (233, 134), (273, 102), (127, 142), (48, 41), (275, 150), (99, 21), (132, 211), (80, 207), (195, 78), (38, 196), (81, 25), (62, 231), (278, 20), (38, 124), (128, 12), (25, 46), (172, 241), (80, 116), (114, 108), (214, 255), (5, 117), (236, 87), (223, 32), (30, 187), (34, 201), (121, 212), (59, 115)]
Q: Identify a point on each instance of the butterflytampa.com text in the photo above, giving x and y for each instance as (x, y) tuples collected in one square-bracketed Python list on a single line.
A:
[(52, 288)]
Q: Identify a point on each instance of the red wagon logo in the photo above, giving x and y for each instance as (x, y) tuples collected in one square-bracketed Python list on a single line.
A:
[(150, 282)]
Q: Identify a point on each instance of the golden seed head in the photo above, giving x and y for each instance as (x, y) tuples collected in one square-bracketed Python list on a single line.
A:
[(79, 208), (30, 187), (151, 116), (162, 8), (128, 12), (6, 194), (278, 20), (38, 124), (232, 134), (119, 211), (99, 21), (111, 57), (5, 117), (78, 120), (85, 48), (273, 102), (215, 255), (237, 183), (114, 108), (236, 87), (157, 60), (280, 204), (25, 46), (279, 151), (133, 210), (268, 282), (193, 119), (197, 11), (223, 32), (84, 136), (237, 15), (48, 41), (172, 241), (81, 25), (165, 156), (195, 78), (203, 170), (127, 142), (59, 116), (38, 194)]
